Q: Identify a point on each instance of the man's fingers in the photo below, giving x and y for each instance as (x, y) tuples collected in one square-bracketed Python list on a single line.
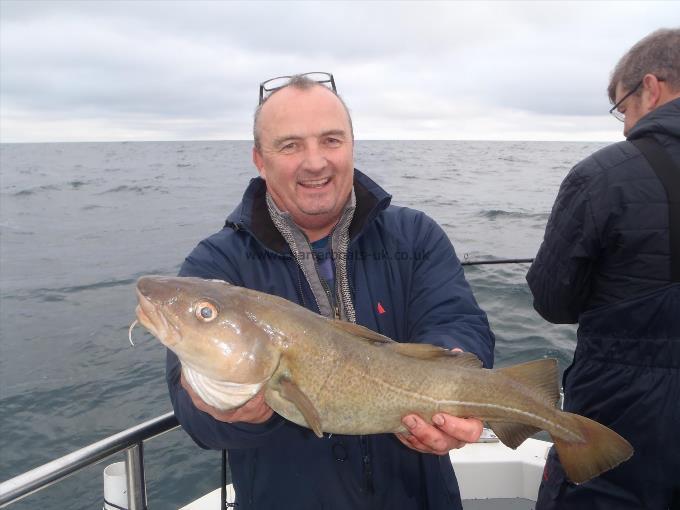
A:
[(466, 430), (254, 402), (426, 437), (402, 438), (444, 434), (253, 411), (412, 442)]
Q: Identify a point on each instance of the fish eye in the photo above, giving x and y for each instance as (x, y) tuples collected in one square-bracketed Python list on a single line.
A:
[(206, 311)]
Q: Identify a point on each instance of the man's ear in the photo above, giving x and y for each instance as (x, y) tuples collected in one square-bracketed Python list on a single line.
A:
[(258, 161), (651, 92)]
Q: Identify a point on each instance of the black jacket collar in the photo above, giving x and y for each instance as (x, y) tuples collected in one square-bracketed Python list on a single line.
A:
[(663, 120), (252, 214)]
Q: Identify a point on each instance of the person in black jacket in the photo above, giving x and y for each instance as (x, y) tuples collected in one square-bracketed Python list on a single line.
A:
[(610, 260), (316, 231)]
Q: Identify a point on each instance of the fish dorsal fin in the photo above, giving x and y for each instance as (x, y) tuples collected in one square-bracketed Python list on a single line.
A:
[(435, 353), (361, 332), (291, 392), (419, 351), (539, 375), (512, 434)]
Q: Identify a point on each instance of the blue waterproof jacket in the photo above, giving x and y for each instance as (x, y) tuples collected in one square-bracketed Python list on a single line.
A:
[(407, 284), (605, 263)]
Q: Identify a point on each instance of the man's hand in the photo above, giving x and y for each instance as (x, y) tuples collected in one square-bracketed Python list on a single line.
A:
[(255, 410), (446, 433)]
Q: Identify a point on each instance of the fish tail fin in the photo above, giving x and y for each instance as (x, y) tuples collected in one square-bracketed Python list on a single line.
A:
[(602, 449)]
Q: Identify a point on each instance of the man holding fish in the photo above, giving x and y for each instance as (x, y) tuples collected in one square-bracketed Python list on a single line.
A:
[(317, 232)]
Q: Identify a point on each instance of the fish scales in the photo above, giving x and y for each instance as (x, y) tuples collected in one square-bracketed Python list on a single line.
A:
[(382, 386)]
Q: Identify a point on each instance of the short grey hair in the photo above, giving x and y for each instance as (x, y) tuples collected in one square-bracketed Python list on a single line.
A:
[(300, 82), (657, 54)]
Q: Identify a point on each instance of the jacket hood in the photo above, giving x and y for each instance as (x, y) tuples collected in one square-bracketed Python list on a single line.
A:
[(252, 213), (664, 120)]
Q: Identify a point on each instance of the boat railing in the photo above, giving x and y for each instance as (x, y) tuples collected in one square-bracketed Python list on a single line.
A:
[(130, 441)]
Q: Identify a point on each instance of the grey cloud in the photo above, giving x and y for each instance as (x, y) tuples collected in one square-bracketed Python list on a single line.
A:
[(148, 63), (107, 70), (340, 29)]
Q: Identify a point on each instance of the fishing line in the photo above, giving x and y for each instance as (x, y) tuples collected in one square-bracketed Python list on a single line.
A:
[(130, 332), (466, 262)]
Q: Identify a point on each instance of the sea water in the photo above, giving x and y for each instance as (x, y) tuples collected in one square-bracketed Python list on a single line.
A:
[(80, 222)]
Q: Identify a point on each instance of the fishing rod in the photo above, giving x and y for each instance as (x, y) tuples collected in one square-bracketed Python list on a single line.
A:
[(495, 261)]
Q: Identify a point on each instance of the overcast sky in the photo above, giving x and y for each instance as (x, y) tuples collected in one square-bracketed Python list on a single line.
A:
[(157, 70)]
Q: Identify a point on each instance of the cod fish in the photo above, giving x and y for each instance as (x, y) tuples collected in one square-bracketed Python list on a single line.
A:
[(337, 377)]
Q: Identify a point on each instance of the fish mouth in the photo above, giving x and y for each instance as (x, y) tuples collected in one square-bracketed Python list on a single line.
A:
[(152, 319)]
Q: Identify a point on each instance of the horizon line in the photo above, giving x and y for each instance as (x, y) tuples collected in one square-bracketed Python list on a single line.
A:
[(356, 140)]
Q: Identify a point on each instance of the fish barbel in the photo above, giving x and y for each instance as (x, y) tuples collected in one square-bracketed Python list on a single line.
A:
[(338, 377)]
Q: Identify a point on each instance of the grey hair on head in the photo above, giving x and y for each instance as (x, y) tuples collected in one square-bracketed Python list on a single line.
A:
[(657, 54), (300, 82)]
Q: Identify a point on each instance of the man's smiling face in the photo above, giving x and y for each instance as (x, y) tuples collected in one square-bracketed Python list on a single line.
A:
[(306, 156)]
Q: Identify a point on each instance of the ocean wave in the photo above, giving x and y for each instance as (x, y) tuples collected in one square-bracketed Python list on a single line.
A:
[(47, 294), (513, 159), (141, 190), (493, 214), (37, 189), (15, 230), (78, 184)]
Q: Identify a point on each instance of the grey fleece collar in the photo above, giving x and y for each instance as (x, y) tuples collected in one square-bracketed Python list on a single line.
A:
[(302, 251)]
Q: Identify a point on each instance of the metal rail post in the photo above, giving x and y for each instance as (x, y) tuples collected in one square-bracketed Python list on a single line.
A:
[(36, 479), (134, 476)]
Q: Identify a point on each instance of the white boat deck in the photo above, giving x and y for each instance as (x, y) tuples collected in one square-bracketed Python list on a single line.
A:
[(485, 471)]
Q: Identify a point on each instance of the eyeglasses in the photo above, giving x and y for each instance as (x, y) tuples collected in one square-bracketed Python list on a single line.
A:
[(615, 112), (267, 88), (622, 116)]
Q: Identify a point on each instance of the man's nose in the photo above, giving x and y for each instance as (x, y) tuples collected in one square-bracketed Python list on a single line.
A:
[(315, 158)]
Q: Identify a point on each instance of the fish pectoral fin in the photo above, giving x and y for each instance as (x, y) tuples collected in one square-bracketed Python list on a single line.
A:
[(436, 353), (360, 331), (512, 434), (291, 392), (539, 375)]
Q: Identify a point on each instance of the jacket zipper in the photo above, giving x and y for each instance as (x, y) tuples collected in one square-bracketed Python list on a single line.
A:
[(334, 305), (326, 289)]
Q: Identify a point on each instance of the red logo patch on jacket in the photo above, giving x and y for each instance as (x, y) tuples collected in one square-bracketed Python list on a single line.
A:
[(380, 308)]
